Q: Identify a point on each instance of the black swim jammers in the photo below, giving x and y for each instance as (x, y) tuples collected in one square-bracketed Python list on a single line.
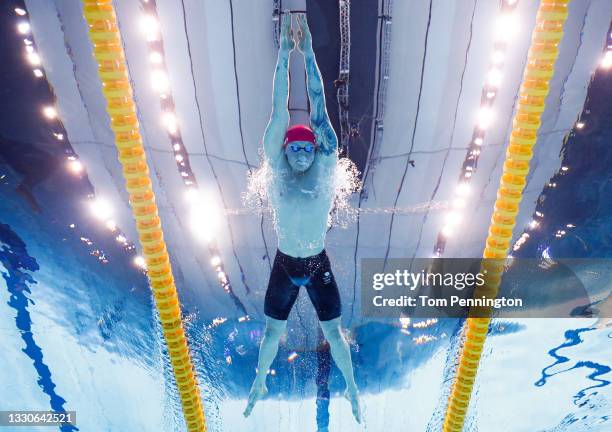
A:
[(289, 274)]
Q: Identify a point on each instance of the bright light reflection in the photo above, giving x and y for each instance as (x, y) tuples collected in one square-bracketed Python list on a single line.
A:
[(159, 80), (447, 231), (463, 189), (192, 195), (101, 209), (484, 117), (75, 166), (150, 27), (140, 262), (20, 11), (494, 77), (38, 73), (205, 214), (23, 27), (606, 61), (453, 218), (215, 261), (34, 59), (155, 57), (505, 27), (49, 112), (169, 120), (498, 57), (459, 203)]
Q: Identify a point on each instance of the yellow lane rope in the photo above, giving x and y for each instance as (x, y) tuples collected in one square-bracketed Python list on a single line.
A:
[(538, 72), (108, 51)]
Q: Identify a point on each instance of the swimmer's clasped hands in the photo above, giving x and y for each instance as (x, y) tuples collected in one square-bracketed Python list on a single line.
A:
[(301, 38)]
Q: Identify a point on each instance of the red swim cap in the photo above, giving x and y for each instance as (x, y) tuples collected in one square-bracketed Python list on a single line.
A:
[(299, 132)]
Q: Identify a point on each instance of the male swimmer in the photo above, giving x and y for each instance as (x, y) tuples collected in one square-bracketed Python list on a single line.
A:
[(303, 163)]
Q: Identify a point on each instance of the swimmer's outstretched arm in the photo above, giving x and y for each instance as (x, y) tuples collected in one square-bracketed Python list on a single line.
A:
[(319, 119), (279, 119)]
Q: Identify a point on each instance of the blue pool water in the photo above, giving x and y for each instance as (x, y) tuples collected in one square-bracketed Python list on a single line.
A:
[(78, 330), (81, 335)]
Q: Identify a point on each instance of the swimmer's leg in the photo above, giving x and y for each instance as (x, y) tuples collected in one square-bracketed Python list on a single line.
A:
[(267, 352), (341, 354), (280, 298)]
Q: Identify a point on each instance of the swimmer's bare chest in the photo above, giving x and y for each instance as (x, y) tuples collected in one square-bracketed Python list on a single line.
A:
[(301, 205)]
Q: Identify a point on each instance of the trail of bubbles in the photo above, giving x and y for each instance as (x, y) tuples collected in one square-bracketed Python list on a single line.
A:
[(418, 208), (345, 183)]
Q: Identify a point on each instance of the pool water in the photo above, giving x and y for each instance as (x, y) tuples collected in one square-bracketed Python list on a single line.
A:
[(79, 332), (81, 335)]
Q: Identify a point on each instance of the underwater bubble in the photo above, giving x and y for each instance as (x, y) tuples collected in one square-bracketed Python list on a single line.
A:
[(345, 183)]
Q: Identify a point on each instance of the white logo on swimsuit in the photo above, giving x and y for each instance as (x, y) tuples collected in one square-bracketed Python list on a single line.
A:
[(326, 277)]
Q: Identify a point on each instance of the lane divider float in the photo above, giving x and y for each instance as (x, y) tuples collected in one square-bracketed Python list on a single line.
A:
[(112, 69)]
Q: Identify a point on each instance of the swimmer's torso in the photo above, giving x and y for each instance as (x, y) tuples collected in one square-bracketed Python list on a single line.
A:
[(302, 203)]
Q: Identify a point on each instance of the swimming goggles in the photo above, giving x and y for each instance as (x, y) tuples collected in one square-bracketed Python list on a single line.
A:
[(308, 148)]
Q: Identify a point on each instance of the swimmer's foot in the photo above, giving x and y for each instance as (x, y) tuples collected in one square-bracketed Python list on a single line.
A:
[(258, 391), (352, 395)]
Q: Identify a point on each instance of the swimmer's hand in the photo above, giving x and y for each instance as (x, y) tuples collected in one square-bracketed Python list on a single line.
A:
[(286, 36), (303, 37)]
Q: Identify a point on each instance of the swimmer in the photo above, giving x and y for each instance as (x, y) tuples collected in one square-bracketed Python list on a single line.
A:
[(303, 161)]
